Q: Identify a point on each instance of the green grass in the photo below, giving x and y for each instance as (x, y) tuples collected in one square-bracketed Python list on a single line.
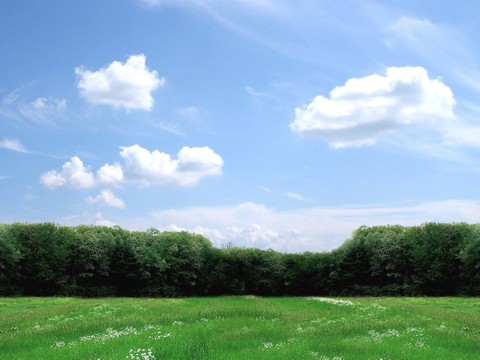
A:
[(240, 328)]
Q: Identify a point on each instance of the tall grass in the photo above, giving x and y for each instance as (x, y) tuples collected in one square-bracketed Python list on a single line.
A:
[(240, 328)]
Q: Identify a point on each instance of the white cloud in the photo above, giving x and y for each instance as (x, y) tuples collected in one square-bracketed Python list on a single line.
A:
[(13, 144), (42, 110), (442, 46), (264, 5), (73, 174), (12, 97), (246, 224), (296, 196), (110, 174), (155, 167), (86, 218), (305, 229), (141, 166), (51, 103), (106, 198), (447, 49), (191, 113), (251, 91), (40, 103), (122, 85), (171, 127), (361, 111), (101, 221)]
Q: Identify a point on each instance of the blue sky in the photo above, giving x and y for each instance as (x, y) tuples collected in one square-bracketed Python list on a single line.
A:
[(262, 123)]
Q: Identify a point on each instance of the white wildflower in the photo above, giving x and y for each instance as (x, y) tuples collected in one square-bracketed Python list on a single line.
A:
[(140, 354), (333, 301)]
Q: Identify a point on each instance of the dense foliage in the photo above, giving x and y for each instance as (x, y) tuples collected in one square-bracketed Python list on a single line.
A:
[(49, 259)]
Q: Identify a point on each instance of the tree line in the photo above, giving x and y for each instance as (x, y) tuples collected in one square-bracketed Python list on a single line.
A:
[(44, 259)]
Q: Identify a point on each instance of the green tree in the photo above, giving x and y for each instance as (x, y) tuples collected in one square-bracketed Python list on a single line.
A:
[(44, 249), (10, 256), (469, 256)]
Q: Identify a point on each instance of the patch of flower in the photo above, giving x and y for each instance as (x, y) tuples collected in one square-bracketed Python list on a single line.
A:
[(102, 310), (155, 330), (340, 302), (6, 330), (151, 327), (59, 318), (269, 345), (468, 329), (159, 335), (379, 337), (323, 357), (99, 338), (109, 335), (301, 329), (418, 339), (178, 322), (140, 354)]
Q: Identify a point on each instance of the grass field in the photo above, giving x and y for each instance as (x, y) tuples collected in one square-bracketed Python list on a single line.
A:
[(240, 328)]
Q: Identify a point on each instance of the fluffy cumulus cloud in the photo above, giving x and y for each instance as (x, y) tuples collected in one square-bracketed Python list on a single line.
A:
[(361, 111), (126, 85), (141, 166), (110, 174), (155, 167), (106, 198), (73, 174)]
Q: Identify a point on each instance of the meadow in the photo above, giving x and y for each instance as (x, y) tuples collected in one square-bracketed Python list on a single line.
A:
[(239, 327)]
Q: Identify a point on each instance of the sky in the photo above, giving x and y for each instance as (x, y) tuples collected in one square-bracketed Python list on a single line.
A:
[(271, 124)]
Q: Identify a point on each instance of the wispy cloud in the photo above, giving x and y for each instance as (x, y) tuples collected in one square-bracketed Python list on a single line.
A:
[(284, 27), (271, 6), (171, 127), (42, 110), (14, 145), (441, 46), (296, 196), (251, 91), (11, 97)]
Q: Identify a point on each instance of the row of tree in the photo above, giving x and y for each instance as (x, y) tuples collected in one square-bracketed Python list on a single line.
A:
[(49, 259)]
